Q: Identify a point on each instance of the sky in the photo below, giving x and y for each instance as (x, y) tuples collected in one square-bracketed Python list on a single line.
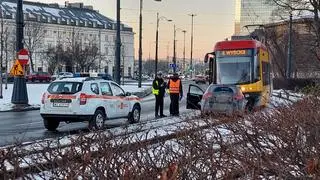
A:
[(214, 21)]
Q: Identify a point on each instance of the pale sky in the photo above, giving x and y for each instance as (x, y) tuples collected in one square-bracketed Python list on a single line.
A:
[(214, 22)]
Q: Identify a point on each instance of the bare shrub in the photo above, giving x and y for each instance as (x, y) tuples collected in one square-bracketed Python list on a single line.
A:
[(281, 143)]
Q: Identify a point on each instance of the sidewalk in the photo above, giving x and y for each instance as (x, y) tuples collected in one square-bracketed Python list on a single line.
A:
[(35, 92)]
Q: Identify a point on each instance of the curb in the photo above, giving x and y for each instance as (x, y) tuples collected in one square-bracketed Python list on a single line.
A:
[(144, 93), (21, 109)]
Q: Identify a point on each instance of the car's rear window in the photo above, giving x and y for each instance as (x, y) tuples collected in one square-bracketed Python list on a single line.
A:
[(221, 89), (65, 87)]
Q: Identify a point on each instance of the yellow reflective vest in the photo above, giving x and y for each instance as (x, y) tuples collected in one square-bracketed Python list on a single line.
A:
[(155, 91)]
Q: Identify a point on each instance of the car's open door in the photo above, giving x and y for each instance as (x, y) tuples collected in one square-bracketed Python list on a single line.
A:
[(194, 97)]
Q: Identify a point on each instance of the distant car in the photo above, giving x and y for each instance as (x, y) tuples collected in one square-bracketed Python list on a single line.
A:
[(105, 76), (217, 98), (181, 76), (200, 79), (87, 99), (10, 77), (145, 77), (39, 76), (62, 75)]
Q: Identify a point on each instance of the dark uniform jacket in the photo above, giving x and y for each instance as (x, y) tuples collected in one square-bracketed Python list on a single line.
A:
[(161, 85)]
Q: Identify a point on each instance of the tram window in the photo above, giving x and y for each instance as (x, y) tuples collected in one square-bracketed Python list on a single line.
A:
[(266, 73), (256, 68)]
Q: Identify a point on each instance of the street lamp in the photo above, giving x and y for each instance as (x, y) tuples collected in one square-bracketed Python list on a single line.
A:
[(140, 43), (19, 93), (118, 46), (191, 54), (157, 40), (174, 47), (184, 49)]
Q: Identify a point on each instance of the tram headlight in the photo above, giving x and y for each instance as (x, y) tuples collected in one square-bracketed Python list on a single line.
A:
[(243, 89)]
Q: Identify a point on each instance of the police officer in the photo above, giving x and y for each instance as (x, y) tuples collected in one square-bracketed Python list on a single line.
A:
[(176, 94), (158, 89)]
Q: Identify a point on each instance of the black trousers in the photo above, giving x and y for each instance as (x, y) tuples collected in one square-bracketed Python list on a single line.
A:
[(159, 105), (174, 105)]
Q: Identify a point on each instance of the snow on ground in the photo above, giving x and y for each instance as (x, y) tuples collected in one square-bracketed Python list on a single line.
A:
[(35, 92)]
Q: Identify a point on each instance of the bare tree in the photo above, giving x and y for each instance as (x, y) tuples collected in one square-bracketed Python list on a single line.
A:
[(35, 32), (302, 7), (73, 52), (53, 57)]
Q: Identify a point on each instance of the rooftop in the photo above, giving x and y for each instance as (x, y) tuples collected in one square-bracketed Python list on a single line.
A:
[(73, 14)]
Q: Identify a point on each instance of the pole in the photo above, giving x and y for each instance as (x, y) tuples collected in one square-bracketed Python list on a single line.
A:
[(1, 57), (174, 49), (118, 48), (191, 53), (6, 86), (140, 45), (289, 59), (157, 41), (19, 94), (100, 58), (184, 49)]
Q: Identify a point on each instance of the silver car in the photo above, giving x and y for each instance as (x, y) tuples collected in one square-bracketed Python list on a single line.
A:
[(62, 75), (217, 98)]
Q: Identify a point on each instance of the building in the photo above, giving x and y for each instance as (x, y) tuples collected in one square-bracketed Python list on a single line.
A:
[(305, 49), (50, 25), (253, 13)]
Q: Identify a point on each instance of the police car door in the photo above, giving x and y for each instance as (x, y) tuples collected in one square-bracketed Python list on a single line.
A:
[(122, 106), (109, 101)]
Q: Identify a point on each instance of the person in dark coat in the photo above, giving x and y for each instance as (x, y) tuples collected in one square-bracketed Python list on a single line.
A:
[(176, 94), (159, 89)]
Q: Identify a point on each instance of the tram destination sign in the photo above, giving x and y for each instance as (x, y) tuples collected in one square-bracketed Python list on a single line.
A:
[(237, 52)]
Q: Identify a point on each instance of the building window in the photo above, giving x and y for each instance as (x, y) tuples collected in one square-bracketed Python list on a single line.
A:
[(106, 69), (129, 71), (106, 50), (106, 38)]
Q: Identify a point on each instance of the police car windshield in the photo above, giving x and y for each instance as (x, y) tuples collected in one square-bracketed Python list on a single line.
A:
[(65, 87)]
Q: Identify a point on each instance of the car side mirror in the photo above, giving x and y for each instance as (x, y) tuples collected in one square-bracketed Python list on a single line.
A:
[(128, 94)]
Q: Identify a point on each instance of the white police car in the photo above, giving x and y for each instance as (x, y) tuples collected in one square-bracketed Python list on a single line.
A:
[(87, 99)]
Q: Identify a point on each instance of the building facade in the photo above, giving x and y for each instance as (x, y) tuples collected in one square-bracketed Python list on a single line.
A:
[(253, 13), (50, 25), (304, 43)]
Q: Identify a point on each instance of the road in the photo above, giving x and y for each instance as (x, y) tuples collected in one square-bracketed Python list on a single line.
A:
[(28, 126)]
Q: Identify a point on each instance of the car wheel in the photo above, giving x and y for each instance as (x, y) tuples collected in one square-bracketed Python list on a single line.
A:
[(97, 121), (134, 116), (32, 80), (50, 124)]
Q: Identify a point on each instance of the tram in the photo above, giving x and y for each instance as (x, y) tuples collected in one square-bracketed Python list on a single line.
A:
[(245, 63)]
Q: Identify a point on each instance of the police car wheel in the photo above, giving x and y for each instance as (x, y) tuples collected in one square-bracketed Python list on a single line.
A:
[(50, 124), (97, 121), (135, 115)]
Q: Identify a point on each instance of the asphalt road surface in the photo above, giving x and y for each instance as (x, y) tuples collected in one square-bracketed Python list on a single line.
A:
[(28, 125)]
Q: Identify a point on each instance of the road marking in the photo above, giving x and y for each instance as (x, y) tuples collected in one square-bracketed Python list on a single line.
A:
[(27, 124)]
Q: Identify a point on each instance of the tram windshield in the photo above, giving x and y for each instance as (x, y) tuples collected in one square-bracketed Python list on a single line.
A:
[(234, 69)]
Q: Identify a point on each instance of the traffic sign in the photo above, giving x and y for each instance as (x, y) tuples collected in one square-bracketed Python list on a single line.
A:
[(17, 69), (23, 56), (173, 65)]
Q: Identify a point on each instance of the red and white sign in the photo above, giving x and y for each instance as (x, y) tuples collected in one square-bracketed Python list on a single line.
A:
[(23, 56)]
